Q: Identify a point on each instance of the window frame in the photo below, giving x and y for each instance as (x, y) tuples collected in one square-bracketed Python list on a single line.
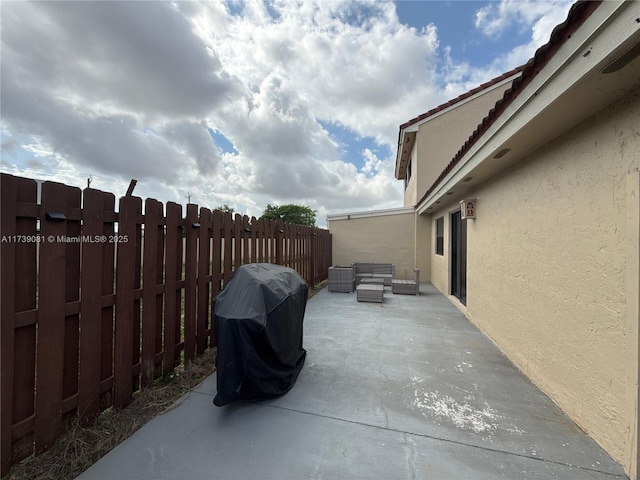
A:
[(407, 174), (439, 236)]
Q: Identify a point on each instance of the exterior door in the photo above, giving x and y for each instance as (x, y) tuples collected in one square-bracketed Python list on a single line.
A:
[(459, 257)]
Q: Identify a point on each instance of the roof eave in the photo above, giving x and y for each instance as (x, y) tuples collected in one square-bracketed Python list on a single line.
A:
[(540, 71)]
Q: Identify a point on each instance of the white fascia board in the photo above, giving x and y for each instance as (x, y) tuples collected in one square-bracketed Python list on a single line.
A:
[(567, 67), (370, 213)]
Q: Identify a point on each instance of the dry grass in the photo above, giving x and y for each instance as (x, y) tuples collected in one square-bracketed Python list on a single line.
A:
[(80, 447)]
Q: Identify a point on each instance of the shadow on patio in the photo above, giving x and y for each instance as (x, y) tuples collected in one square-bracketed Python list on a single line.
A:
[(404, 389)]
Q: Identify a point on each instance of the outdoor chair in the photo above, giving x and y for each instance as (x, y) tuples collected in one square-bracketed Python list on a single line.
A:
[(407, 287), (342, 279)]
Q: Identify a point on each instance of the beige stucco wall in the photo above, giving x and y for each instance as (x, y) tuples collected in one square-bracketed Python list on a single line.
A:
[(552, 271), (440, 263), (381, 238), (440, 138), (423, 247)]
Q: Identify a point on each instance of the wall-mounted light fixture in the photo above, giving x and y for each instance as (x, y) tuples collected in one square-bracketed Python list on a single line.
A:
[(468, 208)]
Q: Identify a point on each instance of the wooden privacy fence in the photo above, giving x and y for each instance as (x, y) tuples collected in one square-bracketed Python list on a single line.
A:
[(97, 303)]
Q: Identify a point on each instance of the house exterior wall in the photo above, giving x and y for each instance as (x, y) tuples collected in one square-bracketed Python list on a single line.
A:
[(380, 238), (439, 138), (553, 268), (440, 263), (423, 247)]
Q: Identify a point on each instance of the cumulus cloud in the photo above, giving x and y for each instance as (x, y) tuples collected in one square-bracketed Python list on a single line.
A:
[(122, 56), (530, 18), (495, 18), (126, 90)]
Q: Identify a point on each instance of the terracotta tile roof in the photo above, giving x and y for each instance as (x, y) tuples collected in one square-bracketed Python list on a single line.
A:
[(577, 15), (459, 98)]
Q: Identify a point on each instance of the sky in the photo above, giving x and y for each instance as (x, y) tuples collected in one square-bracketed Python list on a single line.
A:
[(244, 103)]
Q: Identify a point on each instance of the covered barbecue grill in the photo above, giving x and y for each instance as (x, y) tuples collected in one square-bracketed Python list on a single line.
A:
[(258, 326)]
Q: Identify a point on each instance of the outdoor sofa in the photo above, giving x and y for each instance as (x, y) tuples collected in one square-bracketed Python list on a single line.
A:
[(384, 271)]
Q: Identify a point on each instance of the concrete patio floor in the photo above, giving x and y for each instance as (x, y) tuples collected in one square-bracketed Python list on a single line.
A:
[(404, 389)]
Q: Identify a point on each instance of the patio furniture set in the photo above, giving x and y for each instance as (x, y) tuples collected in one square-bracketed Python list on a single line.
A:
[(369, 280)]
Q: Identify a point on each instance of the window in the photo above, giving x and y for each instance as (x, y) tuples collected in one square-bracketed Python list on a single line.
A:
[(407, 176), (440, 236)]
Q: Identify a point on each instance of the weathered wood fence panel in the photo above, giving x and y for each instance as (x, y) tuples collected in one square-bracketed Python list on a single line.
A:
[(98, 303)]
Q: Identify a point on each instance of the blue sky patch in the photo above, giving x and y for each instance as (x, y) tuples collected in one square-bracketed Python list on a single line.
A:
[(455, 21), (351, 145), (222, 142)]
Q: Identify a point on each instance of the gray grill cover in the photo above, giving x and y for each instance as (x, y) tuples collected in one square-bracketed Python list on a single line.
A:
[(258, 327)]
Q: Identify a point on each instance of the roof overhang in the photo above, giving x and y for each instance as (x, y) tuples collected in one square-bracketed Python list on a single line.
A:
[(370, 213), (409, 130), (405, 147), (570, 88)]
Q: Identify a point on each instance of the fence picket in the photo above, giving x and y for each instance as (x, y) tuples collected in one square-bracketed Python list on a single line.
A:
[(51, 318), (152, 300), (254, 240), (228, 247), (18, 280), (261, 241), (108, 303), (91, 303), (173, 257), (217, 259), (72, 301), (204, 280), (190, 272), (8, 207), (25, 303), (237, 241), (130, 208)]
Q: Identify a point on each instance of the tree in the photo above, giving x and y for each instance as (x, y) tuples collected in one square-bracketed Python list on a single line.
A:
[(291, 213), (224, 209)]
